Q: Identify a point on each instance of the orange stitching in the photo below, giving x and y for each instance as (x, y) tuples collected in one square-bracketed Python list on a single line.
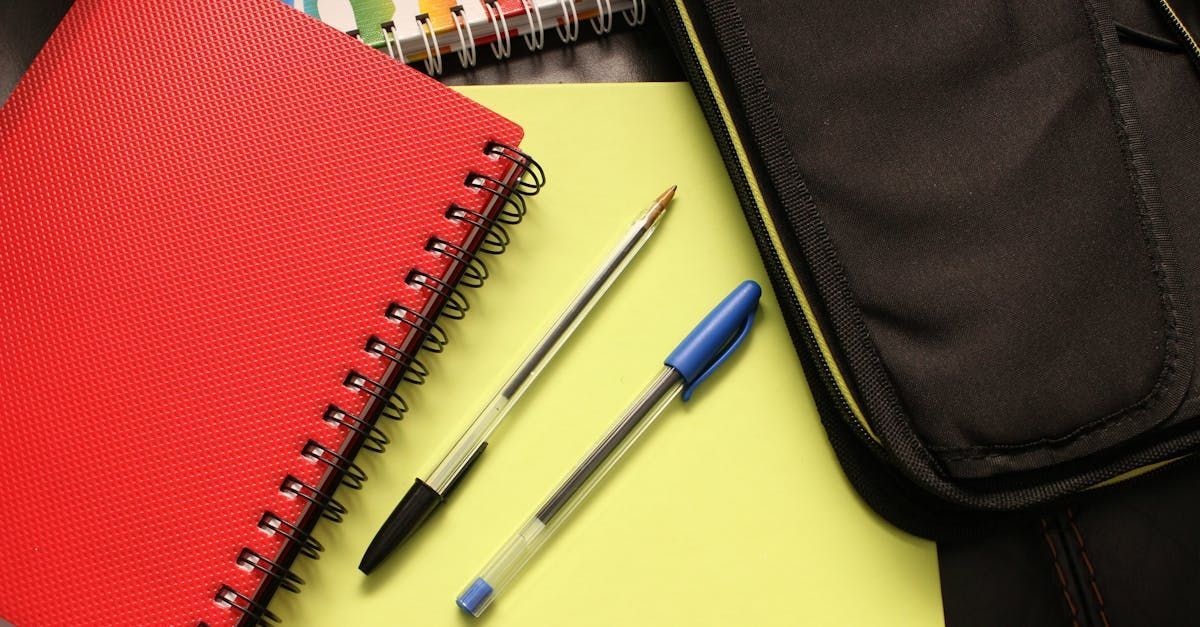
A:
[(1087, 561), (1062, 579)]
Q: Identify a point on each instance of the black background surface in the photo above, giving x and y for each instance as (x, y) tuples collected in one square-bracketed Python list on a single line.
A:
[(24, 27)]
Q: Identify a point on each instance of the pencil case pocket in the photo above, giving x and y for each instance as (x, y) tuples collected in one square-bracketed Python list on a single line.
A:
[(964, 218)]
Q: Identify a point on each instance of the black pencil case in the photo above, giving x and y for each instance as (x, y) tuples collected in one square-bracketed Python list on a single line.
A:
[(983, 228)]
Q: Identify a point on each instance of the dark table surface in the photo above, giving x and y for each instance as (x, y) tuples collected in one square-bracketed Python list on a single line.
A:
[(624, 55), (627, 54), (24, 27)]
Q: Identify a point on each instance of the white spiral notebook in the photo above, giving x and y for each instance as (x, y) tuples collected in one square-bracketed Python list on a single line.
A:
[(436, 31)]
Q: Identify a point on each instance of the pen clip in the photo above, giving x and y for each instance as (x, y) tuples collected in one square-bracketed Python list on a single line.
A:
[(716, 337), (732, 346)]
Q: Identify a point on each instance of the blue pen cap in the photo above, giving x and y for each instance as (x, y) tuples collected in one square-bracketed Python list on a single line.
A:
[(476, 597), (716, 337)]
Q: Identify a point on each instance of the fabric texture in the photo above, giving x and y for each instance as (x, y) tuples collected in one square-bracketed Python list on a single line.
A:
[(1140, 537), (989, 210), (974, 176)]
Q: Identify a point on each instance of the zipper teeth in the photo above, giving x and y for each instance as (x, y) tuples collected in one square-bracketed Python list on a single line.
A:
[(1179, 26), (774, 265)]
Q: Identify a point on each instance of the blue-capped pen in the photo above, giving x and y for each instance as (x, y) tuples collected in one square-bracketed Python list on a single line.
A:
[(700, 353)]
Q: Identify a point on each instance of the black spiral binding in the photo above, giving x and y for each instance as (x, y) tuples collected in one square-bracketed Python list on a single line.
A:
[(495, 238), (256, 612), (435, 336), (329, 507), (455, 305), (353, 476), (394, 406), (287, 579), (415, 370), (470, 272), (475, 272), (373, 438), (307, 545)]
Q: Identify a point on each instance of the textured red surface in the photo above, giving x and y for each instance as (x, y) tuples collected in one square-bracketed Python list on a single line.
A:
[(205, 209)]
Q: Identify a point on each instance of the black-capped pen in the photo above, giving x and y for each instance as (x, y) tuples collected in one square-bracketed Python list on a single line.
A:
[(425, 495)]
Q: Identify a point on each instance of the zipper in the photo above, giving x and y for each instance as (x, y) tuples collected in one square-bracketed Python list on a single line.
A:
[(1173, 17), (794, 300)]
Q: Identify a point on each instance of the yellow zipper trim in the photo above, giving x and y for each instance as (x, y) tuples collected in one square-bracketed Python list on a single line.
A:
[(761, 205), (1183, 29), (1140, 470)]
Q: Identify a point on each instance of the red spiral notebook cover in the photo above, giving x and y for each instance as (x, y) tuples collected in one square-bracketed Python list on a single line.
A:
[(205, 211)]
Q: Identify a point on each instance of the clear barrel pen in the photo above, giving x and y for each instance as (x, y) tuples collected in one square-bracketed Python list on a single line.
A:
[(701, 353), (426, 495)]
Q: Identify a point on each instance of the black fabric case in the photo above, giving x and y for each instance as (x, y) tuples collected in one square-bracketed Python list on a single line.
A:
[(989, 260), (982, 223)]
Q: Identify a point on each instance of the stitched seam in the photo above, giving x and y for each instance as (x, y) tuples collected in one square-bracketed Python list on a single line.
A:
[(1087, 562), (1168, 369), (1062, 578)]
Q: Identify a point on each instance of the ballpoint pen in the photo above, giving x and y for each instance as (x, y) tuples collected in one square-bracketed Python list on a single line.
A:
[(700, 353), (425, 495)]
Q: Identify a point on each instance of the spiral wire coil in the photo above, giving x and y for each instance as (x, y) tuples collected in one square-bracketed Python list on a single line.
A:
[(529, 23), (470, 272)]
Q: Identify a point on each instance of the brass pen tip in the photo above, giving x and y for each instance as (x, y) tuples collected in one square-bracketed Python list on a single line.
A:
[(666, 196), (660, 205)]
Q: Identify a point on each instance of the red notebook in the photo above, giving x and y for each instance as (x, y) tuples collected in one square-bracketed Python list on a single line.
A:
[(219, 252)]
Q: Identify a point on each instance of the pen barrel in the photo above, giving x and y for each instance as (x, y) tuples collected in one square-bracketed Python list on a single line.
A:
[(450, 467), (570, 493), (619, 438), (573, 315)]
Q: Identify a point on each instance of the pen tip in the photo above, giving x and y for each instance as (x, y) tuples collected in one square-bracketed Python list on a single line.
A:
[(667, 195), (660, 205)]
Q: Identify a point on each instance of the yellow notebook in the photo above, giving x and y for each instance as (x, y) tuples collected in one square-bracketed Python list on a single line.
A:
[(731, 510)]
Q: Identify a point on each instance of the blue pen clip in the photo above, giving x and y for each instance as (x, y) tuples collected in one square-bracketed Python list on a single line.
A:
[(716, 337)]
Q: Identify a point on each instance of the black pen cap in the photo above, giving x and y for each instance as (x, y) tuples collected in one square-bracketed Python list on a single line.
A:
[(414, 508)]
